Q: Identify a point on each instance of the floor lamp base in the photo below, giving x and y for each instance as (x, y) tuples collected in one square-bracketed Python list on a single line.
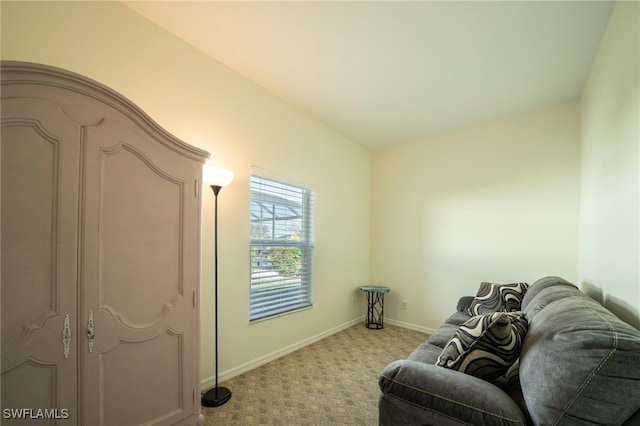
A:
[(216, 397)]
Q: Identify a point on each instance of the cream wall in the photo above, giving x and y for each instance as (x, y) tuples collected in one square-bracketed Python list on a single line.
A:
[(208, 105), (496, 202), (610, 165), (431, 219)]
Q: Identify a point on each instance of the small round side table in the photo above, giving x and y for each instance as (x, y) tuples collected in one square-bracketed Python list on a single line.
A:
[(375, 305)]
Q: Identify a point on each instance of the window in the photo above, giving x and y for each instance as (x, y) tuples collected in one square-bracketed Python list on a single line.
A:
[(281, 248)]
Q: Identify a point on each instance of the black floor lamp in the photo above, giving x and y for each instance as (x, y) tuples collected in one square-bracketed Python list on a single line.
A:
[(216, 178)]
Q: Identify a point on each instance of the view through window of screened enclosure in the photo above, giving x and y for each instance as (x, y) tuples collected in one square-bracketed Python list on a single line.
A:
[(281, 220)]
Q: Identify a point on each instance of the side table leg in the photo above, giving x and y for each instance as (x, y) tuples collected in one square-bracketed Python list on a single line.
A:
[(375, 310)]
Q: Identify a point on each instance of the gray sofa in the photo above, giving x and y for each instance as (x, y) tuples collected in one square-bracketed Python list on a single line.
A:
[(578, 365)]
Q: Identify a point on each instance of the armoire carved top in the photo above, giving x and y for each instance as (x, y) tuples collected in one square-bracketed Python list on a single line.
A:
[(27, 73)]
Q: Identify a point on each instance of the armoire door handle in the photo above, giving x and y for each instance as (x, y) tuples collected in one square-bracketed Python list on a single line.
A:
[(91, 333), (66, 336)]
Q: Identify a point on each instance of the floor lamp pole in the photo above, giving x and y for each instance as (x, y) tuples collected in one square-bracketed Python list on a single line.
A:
[(218, 395)]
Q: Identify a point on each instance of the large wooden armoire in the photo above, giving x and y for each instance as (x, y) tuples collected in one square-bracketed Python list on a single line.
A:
[(100, 264)]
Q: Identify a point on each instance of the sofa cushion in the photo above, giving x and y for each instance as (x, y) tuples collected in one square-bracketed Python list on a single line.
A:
[(415, 393), (458, 318), (579, 363), (552, 289), (426, 353), (443, 335), (493, 297), (513, 388), (446, 331), (486, 345)]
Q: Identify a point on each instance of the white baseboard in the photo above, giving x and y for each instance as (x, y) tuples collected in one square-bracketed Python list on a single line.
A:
[(419, 328), (210, 382)]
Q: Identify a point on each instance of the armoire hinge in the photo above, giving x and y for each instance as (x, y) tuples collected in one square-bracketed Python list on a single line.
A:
[(194, 298), (194, 396), (195, 188)]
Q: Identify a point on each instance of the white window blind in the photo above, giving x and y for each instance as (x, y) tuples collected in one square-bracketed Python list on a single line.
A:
[(281, 221)]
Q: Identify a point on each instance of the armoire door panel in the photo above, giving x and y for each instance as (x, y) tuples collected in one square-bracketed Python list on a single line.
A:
[(30, 188), (140, 236), (43, 378), (127, 370), (137, 251), (109, 331), (39, 255)]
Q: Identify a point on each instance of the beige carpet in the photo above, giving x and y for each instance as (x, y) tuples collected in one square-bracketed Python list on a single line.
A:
[(331, 382)]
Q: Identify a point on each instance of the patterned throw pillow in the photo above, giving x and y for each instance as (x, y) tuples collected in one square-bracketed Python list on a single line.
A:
[(486, 345), (498, 297)]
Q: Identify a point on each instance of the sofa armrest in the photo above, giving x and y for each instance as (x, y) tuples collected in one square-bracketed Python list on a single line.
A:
[(415, 393), (464, 302)]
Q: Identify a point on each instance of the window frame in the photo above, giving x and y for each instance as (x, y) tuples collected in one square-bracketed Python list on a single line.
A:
[(276, 287)]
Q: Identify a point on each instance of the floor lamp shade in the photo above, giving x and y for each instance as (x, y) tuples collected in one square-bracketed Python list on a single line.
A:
[(216, 178)]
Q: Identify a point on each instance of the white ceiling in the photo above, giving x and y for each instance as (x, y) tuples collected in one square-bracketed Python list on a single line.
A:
[(389, 72)]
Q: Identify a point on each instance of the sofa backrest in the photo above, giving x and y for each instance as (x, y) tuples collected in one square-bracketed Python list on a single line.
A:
[(579, 363)]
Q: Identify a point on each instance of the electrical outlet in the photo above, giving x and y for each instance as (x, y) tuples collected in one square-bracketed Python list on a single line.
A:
[(404, 305)]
